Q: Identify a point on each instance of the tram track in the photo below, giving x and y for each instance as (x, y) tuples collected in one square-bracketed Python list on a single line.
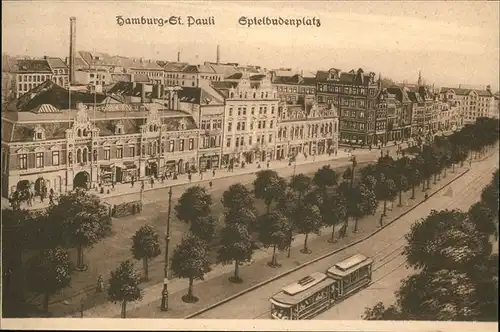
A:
[(392, 252)]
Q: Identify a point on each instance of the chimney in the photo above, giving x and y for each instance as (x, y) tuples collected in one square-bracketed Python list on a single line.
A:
[(488, 88), (178, 56), (143, 93), (72, 41), (218, 54)]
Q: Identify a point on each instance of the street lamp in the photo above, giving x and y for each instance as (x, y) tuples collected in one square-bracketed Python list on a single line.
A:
[(164, 292)]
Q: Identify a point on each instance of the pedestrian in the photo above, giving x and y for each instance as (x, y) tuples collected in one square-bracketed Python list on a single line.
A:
[(51, 196), (113, 185), (210, 184), (381, 220), (132, 182), (163, 178), (267, 164), (100, 285), (213, 172), (426, 196), (152, 182), (201, 174), (189, 177)]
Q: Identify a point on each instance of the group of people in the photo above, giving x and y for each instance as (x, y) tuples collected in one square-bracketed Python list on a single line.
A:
[(28, 195)]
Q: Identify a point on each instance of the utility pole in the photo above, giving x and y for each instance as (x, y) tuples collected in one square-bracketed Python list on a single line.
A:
[(164, 292)]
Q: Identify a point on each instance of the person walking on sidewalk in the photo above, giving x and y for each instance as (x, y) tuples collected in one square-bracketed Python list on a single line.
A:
[(132, 181), (267, 165), (163, 178), (201, 174), (142, 184), (152, 182), (210, 184), (213, 172), (189, 177)]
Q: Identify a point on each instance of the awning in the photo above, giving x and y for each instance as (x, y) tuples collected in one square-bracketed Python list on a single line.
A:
[(110, 165)]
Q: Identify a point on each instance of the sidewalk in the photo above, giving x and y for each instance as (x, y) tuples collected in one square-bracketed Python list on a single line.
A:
[(216, 287), (121, 191)]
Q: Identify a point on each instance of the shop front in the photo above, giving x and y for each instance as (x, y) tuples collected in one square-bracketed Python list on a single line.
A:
[(170, 168), (107, 174), (152, 168), (126, 172)]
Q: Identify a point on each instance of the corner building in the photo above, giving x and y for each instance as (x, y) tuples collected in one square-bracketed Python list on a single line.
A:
[(65, 140)]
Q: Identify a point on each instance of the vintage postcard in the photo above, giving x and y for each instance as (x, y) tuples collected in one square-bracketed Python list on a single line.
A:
[(250, 165)]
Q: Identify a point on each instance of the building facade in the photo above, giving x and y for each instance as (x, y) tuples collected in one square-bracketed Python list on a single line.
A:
[(354, 95), (250, 120), (306, 130), (207, 107), (295, 89), (473, 103), (46, 143)]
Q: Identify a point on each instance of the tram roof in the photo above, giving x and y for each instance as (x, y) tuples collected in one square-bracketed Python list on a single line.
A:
[(286, 298), (349, 265)]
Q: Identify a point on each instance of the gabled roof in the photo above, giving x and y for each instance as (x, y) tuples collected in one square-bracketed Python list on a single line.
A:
[(415, 97), (140, 64), (235, 76), (95, 58), (400, 93), (142, 78), (201, 96), (352, 77), (224, 70)]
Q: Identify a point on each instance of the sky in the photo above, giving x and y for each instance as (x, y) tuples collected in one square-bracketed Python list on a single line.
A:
[(451, 42)]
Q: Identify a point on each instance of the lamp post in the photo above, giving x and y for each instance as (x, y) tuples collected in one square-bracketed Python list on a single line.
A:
[(164, 292)]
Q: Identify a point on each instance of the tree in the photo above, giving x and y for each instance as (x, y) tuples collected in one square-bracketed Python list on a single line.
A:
[(300, 183), (483, 218), (414, 177), (348, 175), (490, 197), (268, 186), (386, 190), (145, 246), (194, 203), (445, 239), (380, 312), (335, 211), (194, 208), (274, 231), (401, 185), (238, 197), (124, 286), (236, 245), (82, 220), (308, 221), (241, 216), (190, 260), (48, 272), (325, 177)]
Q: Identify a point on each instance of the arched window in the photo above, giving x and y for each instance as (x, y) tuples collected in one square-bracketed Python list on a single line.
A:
[(84, 155), (70, 157), (151, 128), (262, 95), (231, 95), (85, 132), (254, 95), (95, 155), (79, 133), (78, 155)]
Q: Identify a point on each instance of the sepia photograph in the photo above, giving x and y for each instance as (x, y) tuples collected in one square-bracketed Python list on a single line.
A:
[(250, 165)]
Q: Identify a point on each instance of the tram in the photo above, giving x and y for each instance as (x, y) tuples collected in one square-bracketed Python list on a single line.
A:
[(319, 291)]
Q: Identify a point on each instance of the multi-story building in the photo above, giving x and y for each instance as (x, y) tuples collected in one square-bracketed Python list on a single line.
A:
[(251, 120), (449, 116), (186, 75), (306, 129), (146, 67), (96, 139), (28, 73), (474, 103), (206, 106), (295, 89), (391, 119), (93, 77), (60, 71), (354, 94), (418, 113), (495, 107), (401, 127)]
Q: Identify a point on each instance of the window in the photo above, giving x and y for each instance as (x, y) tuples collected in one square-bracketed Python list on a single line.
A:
[(243, 126), (55, 158), (191, 144), (171, 146), (39, 160), (228, 142), (259, 125), (270, 138), (237, 142), (181, 145), (263, 124), (229, 126), (119, 153), (271, 124), (107, 154), (23, 161), (238, 127), (131, 150), (250, 140)]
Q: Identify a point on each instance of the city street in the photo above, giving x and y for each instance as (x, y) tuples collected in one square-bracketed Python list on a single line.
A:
[(385, 247)]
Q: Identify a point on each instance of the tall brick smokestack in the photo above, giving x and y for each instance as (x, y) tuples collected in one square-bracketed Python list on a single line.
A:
[(178, 56), (72, 41), (218, 54)]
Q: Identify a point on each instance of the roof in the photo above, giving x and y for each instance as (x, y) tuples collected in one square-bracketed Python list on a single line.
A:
[(415, 97), (235, 76), (464, 92), (142, 78), (198, 69), (224, 86), (201, 96), (139, 64), (300, 292), (175, 66), (353, 77), (52, 94), (95, 58), (295, 80), (56, 63), (31, 66), (224, 70), (132, 89), (400, 94), (349, 265)]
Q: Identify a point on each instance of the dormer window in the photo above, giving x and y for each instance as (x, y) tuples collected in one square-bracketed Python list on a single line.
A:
[(119, 129), (39, 133)]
